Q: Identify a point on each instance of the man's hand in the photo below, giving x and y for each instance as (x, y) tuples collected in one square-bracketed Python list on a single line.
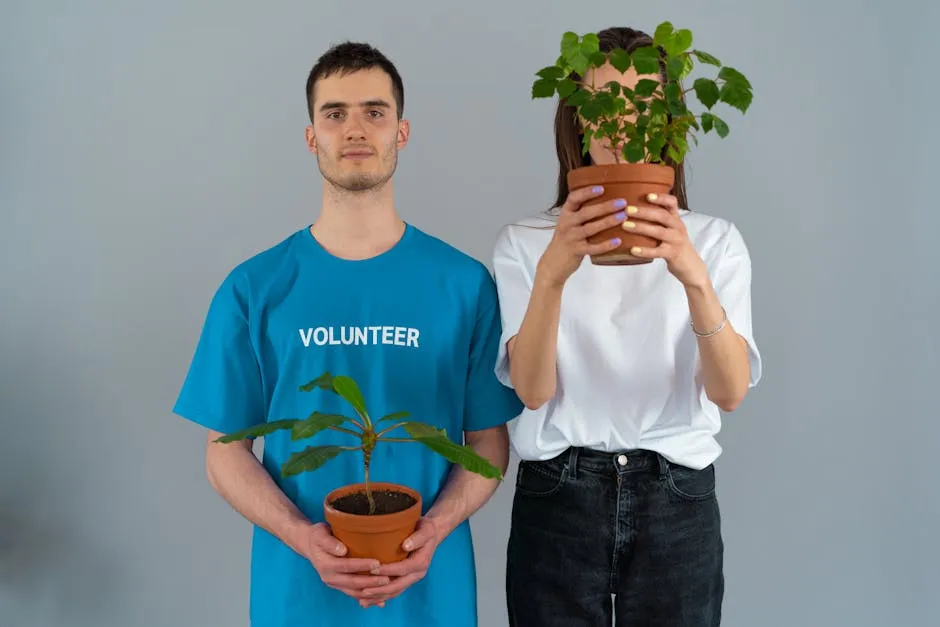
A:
[(421, 545), (326, 553)]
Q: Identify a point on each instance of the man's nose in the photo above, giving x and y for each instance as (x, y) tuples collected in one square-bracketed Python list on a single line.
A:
[(355, 130)]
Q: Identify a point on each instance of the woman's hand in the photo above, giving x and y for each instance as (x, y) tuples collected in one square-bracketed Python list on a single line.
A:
[(576, 223), (662, 222)]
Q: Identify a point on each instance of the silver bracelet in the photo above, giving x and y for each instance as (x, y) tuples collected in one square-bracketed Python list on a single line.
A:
[(721, 326)]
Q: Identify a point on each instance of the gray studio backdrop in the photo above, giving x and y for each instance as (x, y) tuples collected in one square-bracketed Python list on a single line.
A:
[(148, 147)]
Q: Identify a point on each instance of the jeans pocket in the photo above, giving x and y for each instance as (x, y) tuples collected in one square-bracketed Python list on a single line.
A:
[(540, 479), (689, 484)]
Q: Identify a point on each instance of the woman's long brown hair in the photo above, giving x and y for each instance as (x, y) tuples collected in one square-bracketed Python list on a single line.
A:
[(568, 136)]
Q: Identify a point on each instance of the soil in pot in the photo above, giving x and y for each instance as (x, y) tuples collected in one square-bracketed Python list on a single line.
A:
[(386, 502), (378, 535), (632, 182)]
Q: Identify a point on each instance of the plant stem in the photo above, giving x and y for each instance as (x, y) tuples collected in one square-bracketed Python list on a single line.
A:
[(369, 492), (384, 431), (395, 440), (349, 431)]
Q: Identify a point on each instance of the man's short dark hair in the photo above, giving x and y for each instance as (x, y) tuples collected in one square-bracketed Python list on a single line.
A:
[(348, 57)]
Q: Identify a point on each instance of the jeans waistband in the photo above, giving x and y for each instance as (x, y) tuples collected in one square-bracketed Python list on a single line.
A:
[(613, 463)]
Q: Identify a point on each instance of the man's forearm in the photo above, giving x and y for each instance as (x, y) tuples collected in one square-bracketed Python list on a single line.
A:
[(237, 475), (725, 364), (466, 492)]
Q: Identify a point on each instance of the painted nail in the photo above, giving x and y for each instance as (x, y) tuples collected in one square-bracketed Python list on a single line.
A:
[(620, 216), (631, 209), (652, 196), (636, 250), (628, 225), (597, 189), (615, 241), (620, 202)]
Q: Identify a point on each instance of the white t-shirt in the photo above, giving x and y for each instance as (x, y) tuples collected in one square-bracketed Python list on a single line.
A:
[(627, 359)]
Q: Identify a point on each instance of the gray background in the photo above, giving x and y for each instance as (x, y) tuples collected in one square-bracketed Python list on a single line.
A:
[(148, 147)]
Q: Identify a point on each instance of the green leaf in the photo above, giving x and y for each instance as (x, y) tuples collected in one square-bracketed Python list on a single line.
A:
[(706, 90), (578, 98), (544, 88), (681, 41), (311, 458), (577, 51), (634, 151), (646, 87), (349, 390), (663, 33), (708, 122), (566, 87), (316, 423), (597, 59), (704, 57), (720, 127), (613, 87), (731, 75), (620, 59), (736, 95), (592, 109), (257, 431), (655, 146), (674, 99), (659, 111), (646, 60), (675, 68), (324, 381), (590, 44), (437, 440), (398, 415), (552, 72)]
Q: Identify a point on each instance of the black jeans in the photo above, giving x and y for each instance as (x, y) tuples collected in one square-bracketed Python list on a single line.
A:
[(600, 539)]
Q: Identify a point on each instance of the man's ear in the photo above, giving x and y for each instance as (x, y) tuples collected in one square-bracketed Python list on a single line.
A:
[(311, 140), (404, 133)]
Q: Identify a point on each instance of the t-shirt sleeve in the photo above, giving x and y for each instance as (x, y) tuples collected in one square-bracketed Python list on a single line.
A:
[(514, 287), (733, 286), (489, 403), (222, 389)]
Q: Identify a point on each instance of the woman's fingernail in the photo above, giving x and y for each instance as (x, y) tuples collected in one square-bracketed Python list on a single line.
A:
[(652, 196), (628, 225), (620, 216), (597, 189), (620, 202), (636, 250), (631, 209), (615, 241)]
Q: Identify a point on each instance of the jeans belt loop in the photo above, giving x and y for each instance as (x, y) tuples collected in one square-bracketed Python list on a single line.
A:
[(573, 462)]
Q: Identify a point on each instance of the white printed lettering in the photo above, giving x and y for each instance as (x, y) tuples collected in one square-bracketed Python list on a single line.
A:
[(360, 336)]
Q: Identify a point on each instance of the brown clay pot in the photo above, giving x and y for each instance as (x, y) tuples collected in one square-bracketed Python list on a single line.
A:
[(377, 536), (632, 182)]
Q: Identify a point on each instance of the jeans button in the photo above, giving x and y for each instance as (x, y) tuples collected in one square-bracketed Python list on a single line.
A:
[(622, 460)]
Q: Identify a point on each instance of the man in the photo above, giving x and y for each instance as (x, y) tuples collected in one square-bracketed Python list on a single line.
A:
[(320, 301)]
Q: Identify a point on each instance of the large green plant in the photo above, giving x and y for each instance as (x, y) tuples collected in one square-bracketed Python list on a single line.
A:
[(365, 430), (663, 122)]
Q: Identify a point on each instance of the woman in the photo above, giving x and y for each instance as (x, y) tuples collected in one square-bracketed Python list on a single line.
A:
[(624, 372)]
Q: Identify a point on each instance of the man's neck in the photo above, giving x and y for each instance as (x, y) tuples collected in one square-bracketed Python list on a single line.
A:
[(358, 225)]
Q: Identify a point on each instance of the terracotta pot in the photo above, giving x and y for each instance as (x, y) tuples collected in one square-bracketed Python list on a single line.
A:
[(378, 536), (632, 182)]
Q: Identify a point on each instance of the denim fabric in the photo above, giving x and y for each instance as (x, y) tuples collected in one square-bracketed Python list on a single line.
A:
[(624, 539)]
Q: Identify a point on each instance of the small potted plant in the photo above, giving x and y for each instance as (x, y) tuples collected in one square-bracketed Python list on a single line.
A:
[(645, 122), (371, 518)]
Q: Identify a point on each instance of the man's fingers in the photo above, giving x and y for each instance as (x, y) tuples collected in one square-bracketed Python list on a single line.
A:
[(357, 582), (353, 565), (396, 587), (419, 538)]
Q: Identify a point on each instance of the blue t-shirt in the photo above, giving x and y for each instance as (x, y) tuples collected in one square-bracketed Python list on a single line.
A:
[(418, 328)]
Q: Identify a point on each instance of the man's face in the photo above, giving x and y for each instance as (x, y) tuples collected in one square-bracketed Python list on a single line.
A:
[(356, 134)]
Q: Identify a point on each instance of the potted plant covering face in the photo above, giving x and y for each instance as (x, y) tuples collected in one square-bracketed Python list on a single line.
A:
[(632, 104), (371, 519)]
